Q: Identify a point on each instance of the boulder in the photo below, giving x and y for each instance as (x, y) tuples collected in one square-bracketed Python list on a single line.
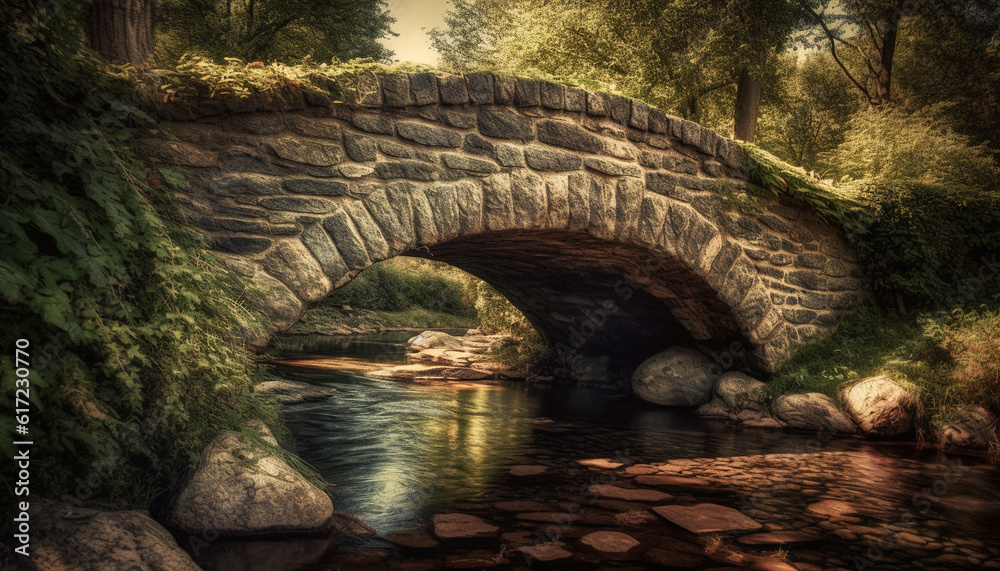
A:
[(812, 411), (630, 494), (740, 392), (880, 407), (967, 427), (715, 408), (676, 377), (93, 539), (434, 340), (293, 392), (243, 488)]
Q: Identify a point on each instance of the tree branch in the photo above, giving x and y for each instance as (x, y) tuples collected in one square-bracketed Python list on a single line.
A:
[(833, 49)]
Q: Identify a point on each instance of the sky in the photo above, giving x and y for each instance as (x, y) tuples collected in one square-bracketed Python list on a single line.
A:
[(412, 16)]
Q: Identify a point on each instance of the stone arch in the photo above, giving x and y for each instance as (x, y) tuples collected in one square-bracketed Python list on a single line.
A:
[(571, 202)]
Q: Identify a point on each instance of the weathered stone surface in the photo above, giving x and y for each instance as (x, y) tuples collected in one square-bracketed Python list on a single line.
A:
[(453, 89), (427, 135), (306, 151), (966, 427), (812, 411), (318, 242), (569, 135), (317, 186), (91, 539), (739, 391), (462, 526), (612, 168), (349, 244), (359, 147), (504, 124), (229, 497), (471, 164), (414, 170), (675, 377), (293, 392), (880, 407), (180, 153), (686, 483), (424, 88), (551, 160), (296, 204), (708, 518), (292, 263)]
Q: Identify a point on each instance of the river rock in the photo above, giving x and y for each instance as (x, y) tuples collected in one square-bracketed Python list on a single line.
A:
[(739, 391), (545, 552), (462, 526), (969, 427), (92, 539), (779, 538), (812, 411), (610, 544), (418, 538), (434, 340), (708, 518), (880, 407), (602, 463), (715, 408), (676, 377), (293, 392), (687, 483), (629, 494), (242, 489)]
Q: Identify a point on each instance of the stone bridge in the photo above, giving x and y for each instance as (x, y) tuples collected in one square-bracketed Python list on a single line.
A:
[(604, 220)]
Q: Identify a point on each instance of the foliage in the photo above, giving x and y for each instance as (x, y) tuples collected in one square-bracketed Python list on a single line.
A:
[(810, 116), (402, 284), (671, 54), (274, 30), (196, 76), (770, 173), (891, 144), (130, 323), (497, 315), (946, 359), (923, 241)]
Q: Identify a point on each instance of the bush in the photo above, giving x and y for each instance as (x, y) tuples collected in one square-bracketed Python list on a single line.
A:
[(401, 284), (892, 144), (924, 242), (131, 323), (499, 316)]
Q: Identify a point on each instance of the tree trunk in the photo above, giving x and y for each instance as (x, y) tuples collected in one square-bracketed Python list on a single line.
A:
[(747, 106), (884, 80), (121, 30)]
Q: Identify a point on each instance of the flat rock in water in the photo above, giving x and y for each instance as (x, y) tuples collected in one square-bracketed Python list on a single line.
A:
[(609, 543), (418, 538), (462, 526), (409, 372), (708, 518), (545, 552), (674, 481), (549, 517), (632, 495), (602, 463), (463, 374), (832, 508), (522, 506), (779, 538), (641, 470), (527, 470)]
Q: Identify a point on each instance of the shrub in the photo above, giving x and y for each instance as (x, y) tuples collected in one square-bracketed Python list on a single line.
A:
[(892, 144), (400, 284)]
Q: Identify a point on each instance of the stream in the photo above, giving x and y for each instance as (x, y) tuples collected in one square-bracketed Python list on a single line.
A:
[(400, 452)]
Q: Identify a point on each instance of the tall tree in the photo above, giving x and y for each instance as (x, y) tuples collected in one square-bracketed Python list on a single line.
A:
[(121, 30), (673, 53), (281, 30)]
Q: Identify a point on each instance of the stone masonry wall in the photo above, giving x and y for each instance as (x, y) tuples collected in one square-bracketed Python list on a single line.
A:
[(568, 183)]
